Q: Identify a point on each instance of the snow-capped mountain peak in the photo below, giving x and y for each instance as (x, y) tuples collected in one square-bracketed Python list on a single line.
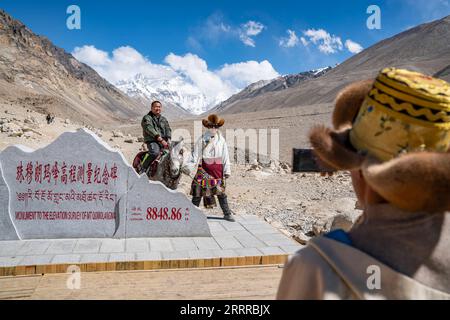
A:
[(181, 92), (177, 90)]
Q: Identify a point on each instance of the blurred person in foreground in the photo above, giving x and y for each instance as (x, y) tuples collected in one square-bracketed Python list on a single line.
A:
[(393, 135)]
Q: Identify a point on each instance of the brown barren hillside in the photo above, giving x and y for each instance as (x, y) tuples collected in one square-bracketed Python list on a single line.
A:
[(38, 75), (424, 48)]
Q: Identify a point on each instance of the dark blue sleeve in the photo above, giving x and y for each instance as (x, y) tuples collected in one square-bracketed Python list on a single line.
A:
[(339, 236)]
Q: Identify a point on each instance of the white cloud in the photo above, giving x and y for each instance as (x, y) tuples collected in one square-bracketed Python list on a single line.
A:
[(247, 40), (249, 30), (304, 41), (125, 63), (253, 28), (224, 27), (215, 30), (91, 55), (194, 44), (243, 73), (326, 42), (212, 32), (290, 41), (353, 47), (197, 71)]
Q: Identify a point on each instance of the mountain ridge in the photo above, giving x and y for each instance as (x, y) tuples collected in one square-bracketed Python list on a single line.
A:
[(264, 86), (36, 74), (424, 48)]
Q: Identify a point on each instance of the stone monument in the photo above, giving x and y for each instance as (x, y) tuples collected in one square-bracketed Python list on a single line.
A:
[(7, 230), (150, 213), (79, 187)]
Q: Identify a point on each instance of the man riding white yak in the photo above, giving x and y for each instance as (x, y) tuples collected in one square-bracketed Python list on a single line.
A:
[(157, 133)]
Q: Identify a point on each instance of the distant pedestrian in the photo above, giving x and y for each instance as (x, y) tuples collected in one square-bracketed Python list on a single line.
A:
[(50, 118)]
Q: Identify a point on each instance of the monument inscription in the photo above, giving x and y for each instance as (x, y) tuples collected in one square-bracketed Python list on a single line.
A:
[(72, 189), (68, 189), (149, 213)]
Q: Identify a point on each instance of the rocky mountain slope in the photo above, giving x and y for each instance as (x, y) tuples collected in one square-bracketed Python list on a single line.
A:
[(444, 74), (265, 86), (424, 48), (189, 100), (38, 75)]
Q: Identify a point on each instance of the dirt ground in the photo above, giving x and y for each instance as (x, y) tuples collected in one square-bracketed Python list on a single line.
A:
[(291, 201), (209, 284)]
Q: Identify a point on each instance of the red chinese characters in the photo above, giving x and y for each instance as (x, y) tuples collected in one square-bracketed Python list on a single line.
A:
[(105, 175), (89, 173), (64, 173), (47, 173), (29, 174), (55, 172), (73, 174), (19, 176), (80, 174), (38, 173)]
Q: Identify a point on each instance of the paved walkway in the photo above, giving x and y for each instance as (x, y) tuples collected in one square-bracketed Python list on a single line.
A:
[(249, 236), (197, 284)]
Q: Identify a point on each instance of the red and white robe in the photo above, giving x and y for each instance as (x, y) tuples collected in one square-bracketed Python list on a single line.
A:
[(211, 161)]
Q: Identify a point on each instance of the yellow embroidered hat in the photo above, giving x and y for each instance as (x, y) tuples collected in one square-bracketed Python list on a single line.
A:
[(405, 111), (396, 131)]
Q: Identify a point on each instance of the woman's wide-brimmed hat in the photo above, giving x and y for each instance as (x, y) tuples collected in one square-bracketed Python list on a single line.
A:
[(213, 121), (396, 129)]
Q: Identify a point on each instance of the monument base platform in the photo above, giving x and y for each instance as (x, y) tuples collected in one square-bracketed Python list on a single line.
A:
[(225, 283), (248, 241)]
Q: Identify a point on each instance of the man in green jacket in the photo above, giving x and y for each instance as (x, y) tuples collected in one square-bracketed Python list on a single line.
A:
[(156, 130)]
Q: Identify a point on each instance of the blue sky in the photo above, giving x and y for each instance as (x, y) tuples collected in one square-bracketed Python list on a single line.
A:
[(223, 32)]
